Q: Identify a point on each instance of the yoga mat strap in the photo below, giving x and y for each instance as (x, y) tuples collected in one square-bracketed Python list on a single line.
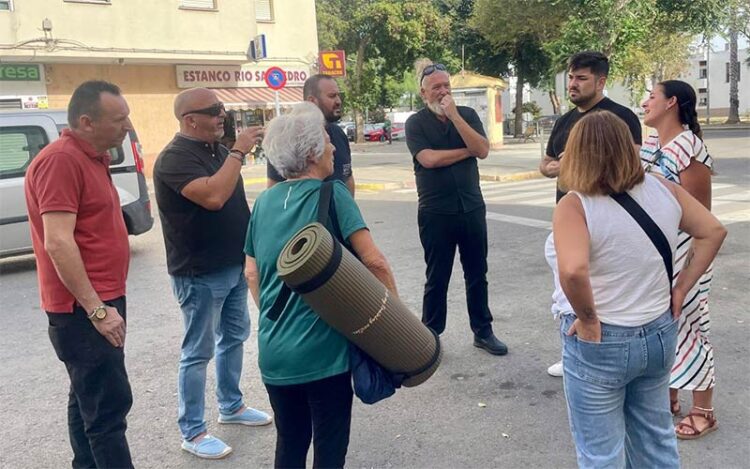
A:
[(324, 202), (280, 303)]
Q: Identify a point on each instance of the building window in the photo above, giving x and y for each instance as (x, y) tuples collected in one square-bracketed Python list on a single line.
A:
[(736, 71), (703, 73), (103, 2), (263, 10), (702, 90), (198, 4), (6, 5), (703, 101)]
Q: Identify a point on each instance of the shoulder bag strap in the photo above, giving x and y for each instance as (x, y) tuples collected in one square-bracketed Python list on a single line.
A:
[(650, 228)]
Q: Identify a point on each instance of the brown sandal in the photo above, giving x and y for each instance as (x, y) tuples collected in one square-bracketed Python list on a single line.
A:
[(674, 407), (688, 423)]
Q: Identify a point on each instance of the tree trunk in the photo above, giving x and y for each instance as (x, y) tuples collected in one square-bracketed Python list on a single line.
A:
[(359, 69), (734, 98), (555, 100), (518, 130)]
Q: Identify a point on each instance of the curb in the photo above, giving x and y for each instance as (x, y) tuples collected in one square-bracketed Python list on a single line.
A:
[(511, 177), (251, 181), (378, 186)]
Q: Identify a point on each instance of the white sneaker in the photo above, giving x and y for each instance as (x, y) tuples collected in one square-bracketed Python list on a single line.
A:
[(556, 370)]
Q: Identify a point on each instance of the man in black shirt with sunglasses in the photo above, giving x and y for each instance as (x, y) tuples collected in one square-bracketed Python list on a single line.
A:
[(445, 141), (204, 215)]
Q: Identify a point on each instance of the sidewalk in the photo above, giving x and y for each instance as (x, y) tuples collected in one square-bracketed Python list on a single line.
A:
[(382, 167)]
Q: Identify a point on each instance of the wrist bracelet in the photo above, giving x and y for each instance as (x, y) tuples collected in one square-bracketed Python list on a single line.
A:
[(238, 155)]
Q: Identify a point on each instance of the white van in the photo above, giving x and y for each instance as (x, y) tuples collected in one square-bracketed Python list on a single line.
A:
[(22, 135)]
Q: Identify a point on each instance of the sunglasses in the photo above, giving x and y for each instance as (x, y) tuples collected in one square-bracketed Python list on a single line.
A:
[(214, 110), (430, 69)]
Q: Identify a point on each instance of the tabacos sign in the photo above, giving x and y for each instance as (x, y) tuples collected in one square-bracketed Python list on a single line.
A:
[(233, 76), (19, 72)]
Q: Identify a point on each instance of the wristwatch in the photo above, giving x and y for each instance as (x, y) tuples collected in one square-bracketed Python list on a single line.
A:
[(98, 313)]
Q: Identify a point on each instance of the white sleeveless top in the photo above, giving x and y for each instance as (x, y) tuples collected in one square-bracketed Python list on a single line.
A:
[(628, 277)]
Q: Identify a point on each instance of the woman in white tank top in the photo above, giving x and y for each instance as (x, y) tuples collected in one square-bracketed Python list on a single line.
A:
[(619, 338)]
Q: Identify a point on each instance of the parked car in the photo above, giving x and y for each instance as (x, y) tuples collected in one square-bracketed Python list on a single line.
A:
[(22, 135), (398, 131), (375, 133)]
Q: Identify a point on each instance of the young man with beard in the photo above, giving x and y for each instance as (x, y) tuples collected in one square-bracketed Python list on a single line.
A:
[(204, 216), (587, 77), (445, 141), (323, 91)]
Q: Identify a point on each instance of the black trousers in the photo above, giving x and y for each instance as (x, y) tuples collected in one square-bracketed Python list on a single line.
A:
[(100, 395), (440, 235), (319, 410)]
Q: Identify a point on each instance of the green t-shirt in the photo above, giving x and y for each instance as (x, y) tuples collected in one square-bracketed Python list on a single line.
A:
[(299, 346)]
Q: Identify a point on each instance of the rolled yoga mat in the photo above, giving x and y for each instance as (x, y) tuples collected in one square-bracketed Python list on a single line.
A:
[(350, 299)]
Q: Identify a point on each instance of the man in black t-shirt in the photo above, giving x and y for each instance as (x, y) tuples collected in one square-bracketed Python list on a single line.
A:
[(445, 141), (323, 91), (204, 216), (587, 77)]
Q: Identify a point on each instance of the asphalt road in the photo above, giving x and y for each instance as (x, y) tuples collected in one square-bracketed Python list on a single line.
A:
[(477, 411)]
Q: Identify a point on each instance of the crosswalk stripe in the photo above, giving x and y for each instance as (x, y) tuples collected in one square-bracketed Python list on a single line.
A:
[(735, 216), (533, 222)]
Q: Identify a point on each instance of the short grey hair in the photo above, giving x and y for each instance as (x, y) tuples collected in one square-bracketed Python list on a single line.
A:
[(291, 138)]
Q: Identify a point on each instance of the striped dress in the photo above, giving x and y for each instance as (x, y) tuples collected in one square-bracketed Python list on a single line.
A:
[(694, 364)]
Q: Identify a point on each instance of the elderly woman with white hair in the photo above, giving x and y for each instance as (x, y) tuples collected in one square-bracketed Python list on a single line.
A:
[(304, 363)]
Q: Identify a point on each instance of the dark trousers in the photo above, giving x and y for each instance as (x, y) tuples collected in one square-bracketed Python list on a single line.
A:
[(320, 410), (100, 395), (440, 235)]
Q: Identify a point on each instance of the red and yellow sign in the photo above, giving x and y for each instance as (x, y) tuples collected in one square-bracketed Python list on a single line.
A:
[(332, 62)]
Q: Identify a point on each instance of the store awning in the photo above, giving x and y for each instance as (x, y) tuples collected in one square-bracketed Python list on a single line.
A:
[(257, 98)]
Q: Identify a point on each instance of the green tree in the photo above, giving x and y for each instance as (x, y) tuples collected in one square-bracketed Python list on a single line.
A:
[(382, 38), (520, 29)]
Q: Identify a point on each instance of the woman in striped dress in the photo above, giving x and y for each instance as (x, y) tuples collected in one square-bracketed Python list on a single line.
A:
[(677, 152)]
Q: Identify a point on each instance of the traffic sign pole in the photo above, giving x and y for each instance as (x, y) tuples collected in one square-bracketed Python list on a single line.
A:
[(276, 101)]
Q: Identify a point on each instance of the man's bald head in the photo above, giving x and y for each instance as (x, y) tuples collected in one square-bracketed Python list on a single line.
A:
[(194, 98)]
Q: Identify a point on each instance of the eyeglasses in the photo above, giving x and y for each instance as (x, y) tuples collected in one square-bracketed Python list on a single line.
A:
[(214, 110), (430, 69)]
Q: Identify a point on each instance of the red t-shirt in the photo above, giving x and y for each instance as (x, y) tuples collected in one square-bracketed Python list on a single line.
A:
[(69, 175)]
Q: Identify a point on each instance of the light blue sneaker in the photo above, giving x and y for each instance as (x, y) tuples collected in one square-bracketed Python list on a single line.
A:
[(249, 416), (209, 447)]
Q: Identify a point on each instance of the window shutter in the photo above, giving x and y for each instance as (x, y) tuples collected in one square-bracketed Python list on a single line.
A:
[(263, 10)]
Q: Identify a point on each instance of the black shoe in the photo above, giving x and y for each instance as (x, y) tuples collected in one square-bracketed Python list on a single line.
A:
[(491, 344)]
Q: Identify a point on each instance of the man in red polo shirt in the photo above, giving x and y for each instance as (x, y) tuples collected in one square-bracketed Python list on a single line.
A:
[(81, 246)]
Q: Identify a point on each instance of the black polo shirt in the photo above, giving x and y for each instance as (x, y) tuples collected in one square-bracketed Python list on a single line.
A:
[(198, 241), (560, 131), (342, 157), (449, 189)]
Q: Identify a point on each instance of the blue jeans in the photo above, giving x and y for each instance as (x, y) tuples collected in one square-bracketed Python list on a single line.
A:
[(214, 310), (617, 395)]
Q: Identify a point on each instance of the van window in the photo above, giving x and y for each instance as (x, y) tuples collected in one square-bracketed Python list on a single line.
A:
[(18, 146), (116, 153)]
